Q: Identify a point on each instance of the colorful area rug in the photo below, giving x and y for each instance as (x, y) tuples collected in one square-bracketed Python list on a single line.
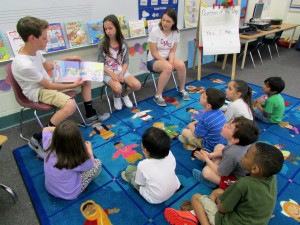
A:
[(126, 127)]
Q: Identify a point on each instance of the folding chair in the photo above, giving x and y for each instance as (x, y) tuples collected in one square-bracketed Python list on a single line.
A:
[(26, 103), (9, 190), (273, 41), (104, 88)]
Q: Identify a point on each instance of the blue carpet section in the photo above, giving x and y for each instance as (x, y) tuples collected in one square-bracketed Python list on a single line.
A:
[(125, 128)]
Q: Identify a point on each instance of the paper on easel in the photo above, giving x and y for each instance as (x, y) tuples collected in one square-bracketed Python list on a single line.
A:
[(220, 30)]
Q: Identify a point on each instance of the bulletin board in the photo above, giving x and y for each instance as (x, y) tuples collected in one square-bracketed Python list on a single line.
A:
[(153, 9)]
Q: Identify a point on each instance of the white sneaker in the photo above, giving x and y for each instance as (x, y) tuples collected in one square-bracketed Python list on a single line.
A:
[(117, 103), (127, 101)]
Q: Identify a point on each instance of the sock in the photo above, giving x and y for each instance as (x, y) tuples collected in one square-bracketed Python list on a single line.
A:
[(182, 90), (38, 136), (89, 109), (157, 96), (117, 95), (50, 124)]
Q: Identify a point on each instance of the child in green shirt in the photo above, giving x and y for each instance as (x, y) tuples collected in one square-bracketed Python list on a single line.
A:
[(250, 200), (271, 110)]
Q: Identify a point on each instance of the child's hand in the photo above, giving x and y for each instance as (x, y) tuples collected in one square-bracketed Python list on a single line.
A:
[(201, 156), (256, 103), (115, 77), (78, 82), (121, 78)]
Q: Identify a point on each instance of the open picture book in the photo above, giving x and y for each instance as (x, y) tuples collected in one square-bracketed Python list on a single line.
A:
[(70, 71)]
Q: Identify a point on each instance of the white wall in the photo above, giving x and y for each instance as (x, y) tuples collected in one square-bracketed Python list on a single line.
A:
[(8, 104)]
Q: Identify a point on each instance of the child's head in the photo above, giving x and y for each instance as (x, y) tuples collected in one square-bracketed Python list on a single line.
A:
[(112, 29), (213, 98), (274, 84), (240, 131), (156, 142), (68, 145), (29, 25), (169, 19), (239, 89), (262, 160)]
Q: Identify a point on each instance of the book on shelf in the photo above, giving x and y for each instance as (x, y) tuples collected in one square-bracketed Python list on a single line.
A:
[(55, 38), (152, 23), (123, 25), (70, 71), (4, 54), (76, 34), (137, 28), (96, 31), (15, 41)]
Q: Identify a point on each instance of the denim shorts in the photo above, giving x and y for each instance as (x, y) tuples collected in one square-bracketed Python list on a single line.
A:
[(150, 64)]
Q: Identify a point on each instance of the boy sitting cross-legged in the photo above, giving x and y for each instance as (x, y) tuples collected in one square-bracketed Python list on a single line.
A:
[(206, 131), (223, 165), (250, 200)]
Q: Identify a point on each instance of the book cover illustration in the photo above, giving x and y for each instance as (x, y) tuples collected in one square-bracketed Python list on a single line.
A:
[(123, 25), (55, 38), (70, 71), (137, 28), (152, 24), (15, 41), (96, 31), (4, 55), (76, 34)]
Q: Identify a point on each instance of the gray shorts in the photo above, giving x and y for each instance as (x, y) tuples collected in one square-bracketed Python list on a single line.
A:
[(107, 78)]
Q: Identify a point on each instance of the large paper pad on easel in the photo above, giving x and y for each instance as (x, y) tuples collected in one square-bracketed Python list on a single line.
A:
[(220, 30)]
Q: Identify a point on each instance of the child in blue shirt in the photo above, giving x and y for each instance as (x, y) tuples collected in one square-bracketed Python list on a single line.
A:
[(205, 132)]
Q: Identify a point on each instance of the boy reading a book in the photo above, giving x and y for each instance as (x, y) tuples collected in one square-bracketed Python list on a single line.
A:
[(250, 200), (30, 71)]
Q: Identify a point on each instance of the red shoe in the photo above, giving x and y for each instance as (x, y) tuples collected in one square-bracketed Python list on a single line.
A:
[(176, 217)]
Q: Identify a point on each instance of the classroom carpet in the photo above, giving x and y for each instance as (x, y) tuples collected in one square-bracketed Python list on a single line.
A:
[(117, 143)]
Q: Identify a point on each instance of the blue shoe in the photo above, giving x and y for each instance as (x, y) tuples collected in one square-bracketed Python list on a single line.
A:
[(199, 177)]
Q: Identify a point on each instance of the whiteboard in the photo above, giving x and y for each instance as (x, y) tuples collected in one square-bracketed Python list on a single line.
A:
[(64, 10)]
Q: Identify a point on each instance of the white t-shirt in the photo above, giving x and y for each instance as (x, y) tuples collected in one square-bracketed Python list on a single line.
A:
[(163, 43), (158, 179), (238, 108), (28, 72)]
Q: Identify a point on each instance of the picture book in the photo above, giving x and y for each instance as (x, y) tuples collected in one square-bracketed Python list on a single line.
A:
[(123, 25), (76, 34), (4, 55), (96, 31), (55, 38), (70, 71), (137, 28), (152, 24), (15, 41)]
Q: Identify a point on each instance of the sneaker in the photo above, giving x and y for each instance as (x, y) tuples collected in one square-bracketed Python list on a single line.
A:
[(159, 101), (36, 146), (176, 217), (117, 103), (184, 95), (199, 177), (124, 176), (127, 101), (97, 117)]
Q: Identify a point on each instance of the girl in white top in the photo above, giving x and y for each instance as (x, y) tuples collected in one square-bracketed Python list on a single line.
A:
[(163, 41), (240, 95)]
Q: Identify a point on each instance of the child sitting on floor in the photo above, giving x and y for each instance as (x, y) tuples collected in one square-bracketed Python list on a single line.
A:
[(154, 177), (250, 200), (271, 110), (240, 95), (205, 132), (223, 165), (69, 163)]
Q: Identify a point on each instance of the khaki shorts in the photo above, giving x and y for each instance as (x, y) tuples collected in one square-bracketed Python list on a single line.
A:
[(195, 141), (210, 208), (53, 97)]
